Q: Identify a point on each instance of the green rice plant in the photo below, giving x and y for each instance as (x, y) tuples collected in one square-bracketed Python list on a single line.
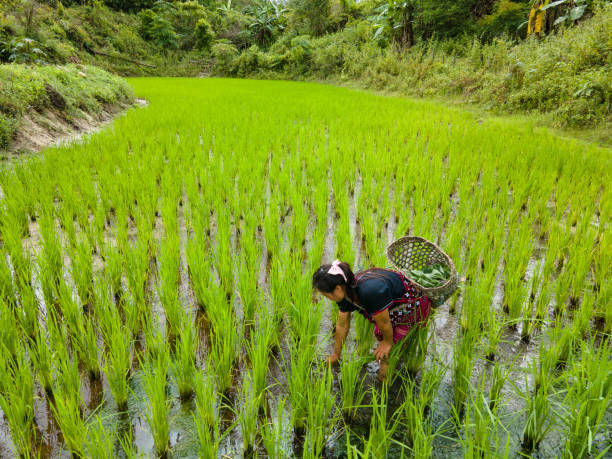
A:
[(19, 258), (154, 380), (68, 415), (498, 375), (303, 317), (479, 426), (224, 349), (413, 349), (299, 366), (28, 314), (364, 336), (137, 270), (17, 401), (321, 417), (381, 433), (42, 359), (51, 253), (250, 403), (461, 368), (351, 386), (86, 344), (206, 400), (258, 349), (248, 274), (117, 362), (538, 406), (113, 269), (7, 288), (273, 433), (223, 252), (414, 409), (100, 439), (184, 364), (588, 397), (82, 269)]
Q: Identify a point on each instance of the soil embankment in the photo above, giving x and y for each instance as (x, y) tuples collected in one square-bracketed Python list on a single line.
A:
[(43, 105)]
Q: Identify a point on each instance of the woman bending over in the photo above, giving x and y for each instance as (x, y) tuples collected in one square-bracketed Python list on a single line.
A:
[(384, 297)]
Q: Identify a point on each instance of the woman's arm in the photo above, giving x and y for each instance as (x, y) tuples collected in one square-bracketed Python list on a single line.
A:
[(383, 321), (342, 328)]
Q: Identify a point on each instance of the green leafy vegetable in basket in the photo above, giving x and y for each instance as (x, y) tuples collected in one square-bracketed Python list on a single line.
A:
[(431, 276)]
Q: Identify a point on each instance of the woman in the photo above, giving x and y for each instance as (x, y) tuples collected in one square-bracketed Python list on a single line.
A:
[(384, 297)]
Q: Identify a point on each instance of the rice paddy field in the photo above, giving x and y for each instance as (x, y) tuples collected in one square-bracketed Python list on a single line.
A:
[(155, 282)]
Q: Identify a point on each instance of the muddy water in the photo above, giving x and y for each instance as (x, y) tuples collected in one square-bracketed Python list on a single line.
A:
[(444, 327)]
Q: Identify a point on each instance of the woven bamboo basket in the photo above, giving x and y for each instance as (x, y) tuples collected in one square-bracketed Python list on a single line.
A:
[(413, 252)]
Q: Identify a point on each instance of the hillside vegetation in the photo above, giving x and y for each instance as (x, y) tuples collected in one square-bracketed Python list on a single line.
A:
[(469, 51), (65, 93)]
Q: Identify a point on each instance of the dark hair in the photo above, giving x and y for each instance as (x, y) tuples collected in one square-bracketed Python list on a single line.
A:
[(325, 282)]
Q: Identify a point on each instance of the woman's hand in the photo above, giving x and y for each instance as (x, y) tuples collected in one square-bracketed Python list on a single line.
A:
[(382, 351), (383, 322), (333, 359)]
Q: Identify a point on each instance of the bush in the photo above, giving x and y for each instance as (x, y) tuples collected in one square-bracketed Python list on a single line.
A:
[(505, 20), (249, 61), (204, 35), (156, 28), (224, 54)]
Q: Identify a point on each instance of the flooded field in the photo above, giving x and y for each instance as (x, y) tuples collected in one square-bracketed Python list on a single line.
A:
[(156, 298)]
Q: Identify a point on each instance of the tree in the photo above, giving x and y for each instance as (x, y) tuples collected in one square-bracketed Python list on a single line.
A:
[(397, 18), (204, 35), (266, 20), (310, 16)]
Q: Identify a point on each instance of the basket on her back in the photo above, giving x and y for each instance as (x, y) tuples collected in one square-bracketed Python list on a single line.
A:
[(411, 253)]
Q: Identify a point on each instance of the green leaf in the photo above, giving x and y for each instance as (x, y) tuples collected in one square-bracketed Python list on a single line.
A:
[(552, 5), (577, 12), (559, 20)]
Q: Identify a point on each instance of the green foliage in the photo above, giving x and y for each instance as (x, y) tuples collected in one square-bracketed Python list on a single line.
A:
[(27, 87), (204, 35), (157, 29), (224, 55), (310, 16), (22, 51), (505, 20), (565, 76), (267, 21)]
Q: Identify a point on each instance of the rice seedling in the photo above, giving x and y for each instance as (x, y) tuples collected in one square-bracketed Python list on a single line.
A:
[(274, 432), (17, 402), (381, 432), (461, 371), (154, 380), (539, 414), (247, 415), (113, 269), (28, 314), (183, 365), (82, 270), (100, 442), (588, 396), (7, 288), (364, 337), (117, 362), (351, 386), (321, 417), (299, 366), (414, 349), (258, 350)]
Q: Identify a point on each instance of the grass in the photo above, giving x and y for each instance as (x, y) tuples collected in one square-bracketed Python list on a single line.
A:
[(95, 238)]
